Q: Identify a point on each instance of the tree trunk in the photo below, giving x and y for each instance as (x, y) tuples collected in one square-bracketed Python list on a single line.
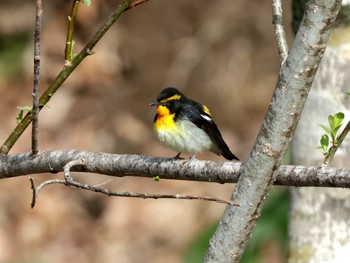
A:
[(320, 217)]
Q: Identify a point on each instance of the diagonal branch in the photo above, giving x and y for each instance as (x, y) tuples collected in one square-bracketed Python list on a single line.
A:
[(63, 75), (334, 148), (136, 3)]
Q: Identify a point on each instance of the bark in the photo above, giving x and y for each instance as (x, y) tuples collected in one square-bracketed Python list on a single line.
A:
[(319, 218), (142, 166)]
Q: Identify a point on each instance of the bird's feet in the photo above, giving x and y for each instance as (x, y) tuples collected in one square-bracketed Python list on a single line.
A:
[(177, 157)]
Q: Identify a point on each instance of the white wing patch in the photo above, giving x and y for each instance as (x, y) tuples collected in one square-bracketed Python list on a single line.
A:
[(206, 117)]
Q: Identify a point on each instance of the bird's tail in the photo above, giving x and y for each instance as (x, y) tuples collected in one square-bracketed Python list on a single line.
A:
[(229, 155)]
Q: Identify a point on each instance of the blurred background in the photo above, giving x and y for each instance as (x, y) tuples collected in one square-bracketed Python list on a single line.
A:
[(222, 53)]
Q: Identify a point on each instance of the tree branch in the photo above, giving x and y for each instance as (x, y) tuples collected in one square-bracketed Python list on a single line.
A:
[(68, 54), (136, 3), (334, 148), (260, 171), (63, 75), (143, 166), (35, 109), (277, 21), (78, 185)]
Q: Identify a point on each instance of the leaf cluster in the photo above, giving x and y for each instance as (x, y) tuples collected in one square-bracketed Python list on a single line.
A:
[(331, 137)]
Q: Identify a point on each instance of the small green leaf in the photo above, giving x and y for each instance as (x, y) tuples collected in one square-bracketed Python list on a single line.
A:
[(19, 117), (347, 92), (338, 119), (331, 122), (27, 108), (335, 131), (156, 178), (324, 141), (328, 131), (87, 2)]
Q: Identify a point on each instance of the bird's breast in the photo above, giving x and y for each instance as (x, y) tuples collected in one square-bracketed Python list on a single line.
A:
[(165, 119)]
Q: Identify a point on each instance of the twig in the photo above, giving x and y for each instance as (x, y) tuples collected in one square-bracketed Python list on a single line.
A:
[(63, 75), (35, 110), (69, 165), (33, 191), (335, 147), (69, 181), (277, 21), (36, 190), (133, 5), (104, 191), (69, 42)]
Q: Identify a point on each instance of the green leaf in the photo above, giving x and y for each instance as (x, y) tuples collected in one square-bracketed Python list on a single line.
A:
[(87, 2), (19, 116), (347, 92), (27, 108), (331, 122), (156, 178), (338, 119), (335, 131), (324, 141), (328, 131)]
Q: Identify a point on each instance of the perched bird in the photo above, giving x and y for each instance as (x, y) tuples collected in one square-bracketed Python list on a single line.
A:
[(187, 126)]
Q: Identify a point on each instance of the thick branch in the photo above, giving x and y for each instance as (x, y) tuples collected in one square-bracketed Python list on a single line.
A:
[(149, 167)]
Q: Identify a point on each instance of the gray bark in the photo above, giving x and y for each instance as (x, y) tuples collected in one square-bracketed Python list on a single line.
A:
[(320, 218), (134, 165)]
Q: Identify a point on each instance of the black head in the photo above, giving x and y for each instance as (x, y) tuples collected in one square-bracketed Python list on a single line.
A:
[(171, 98), (170, 94)]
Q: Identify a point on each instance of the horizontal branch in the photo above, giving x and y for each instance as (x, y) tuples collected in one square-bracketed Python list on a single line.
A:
[(121, 165)]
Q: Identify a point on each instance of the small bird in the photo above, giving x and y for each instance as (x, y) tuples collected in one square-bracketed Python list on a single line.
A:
[(187, 126)]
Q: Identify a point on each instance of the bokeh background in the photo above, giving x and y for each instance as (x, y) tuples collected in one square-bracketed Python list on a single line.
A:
[(221, 53)]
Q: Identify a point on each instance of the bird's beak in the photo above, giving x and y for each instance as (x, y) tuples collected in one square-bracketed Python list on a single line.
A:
[(154, 103)]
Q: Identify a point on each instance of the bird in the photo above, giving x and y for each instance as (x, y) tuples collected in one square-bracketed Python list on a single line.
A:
[(187, 126)]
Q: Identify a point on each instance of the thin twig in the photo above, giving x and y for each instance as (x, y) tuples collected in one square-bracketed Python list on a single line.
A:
[(63, 75), (35, 110), (104, 191), (69, 181), (68, 166), (34, 192), (69, 42), (133, 5), (335, 147), (277, 21)]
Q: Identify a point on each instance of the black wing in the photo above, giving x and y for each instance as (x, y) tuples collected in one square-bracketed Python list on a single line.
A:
[(200, 115)]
